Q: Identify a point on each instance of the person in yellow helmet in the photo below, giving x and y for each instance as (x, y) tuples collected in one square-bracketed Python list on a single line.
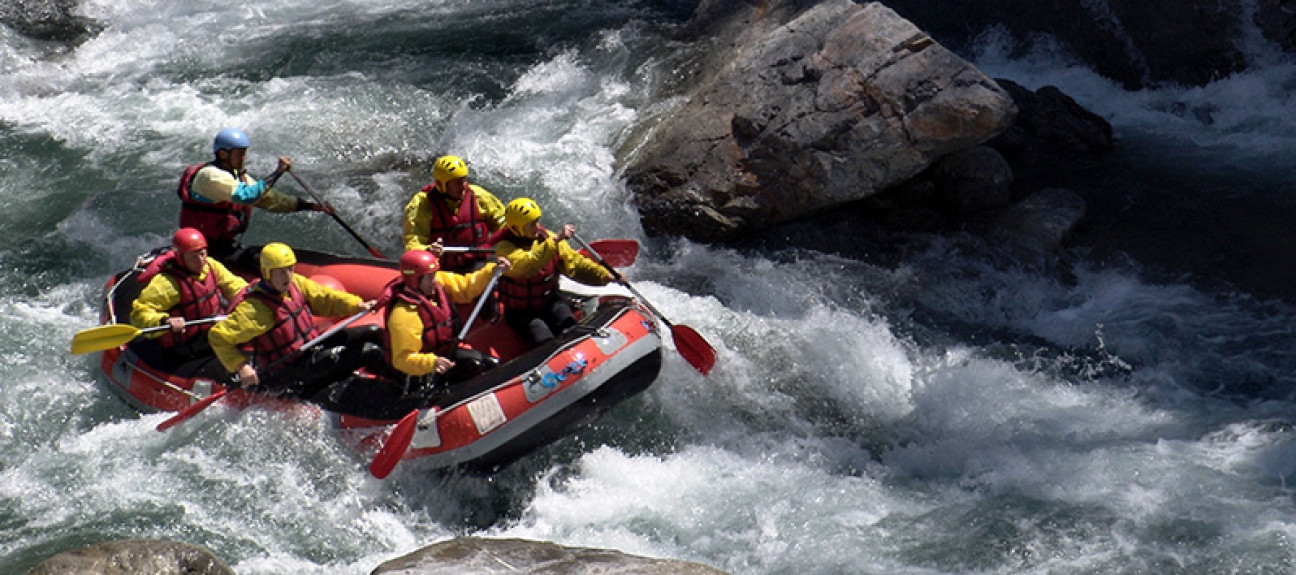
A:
[(450, 212), (529, 289), (183, 285), (422, 323), (260, 339)]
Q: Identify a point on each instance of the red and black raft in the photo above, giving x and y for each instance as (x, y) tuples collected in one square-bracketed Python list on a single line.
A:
[(532, 398)]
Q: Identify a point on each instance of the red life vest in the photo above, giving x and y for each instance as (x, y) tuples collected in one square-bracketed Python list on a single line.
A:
[(437, 314), (294, 325), (198, 299), (533, 293), (464, 227), (220, 221)]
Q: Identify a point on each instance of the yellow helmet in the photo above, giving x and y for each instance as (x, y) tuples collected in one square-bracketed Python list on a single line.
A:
[(276, 255), (449, 168), (519, 213)]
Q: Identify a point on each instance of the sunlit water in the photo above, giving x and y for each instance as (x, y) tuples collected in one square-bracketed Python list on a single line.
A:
[(947, 414)]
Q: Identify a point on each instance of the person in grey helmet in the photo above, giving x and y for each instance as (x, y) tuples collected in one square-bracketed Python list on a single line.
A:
[(217, 198)]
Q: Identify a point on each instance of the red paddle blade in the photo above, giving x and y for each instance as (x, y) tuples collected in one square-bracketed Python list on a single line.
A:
[(190, 411), (394, 448), (695, 350), (617, 253)]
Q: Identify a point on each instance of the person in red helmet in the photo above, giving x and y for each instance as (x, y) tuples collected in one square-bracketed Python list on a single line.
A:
[(422, 324), (217, 198), (183, 285)]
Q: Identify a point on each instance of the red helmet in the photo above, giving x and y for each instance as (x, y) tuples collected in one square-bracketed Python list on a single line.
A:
[(415, 264), (188, 240)]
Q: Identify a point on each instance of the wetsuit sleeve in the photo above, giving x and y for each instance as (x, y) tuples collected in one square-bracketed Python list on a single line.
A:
[(490, 207), (580, 268), (229, 284), (273, 200), (327, 302), (243, 324), (416, 225), (526, 262), (216, 185), (405, 329), (464, 288), (153, 306)]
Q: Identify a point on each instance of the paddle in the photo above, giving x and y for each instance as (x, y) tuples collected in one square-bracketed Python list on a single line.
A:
[(193, 410), (398, 442), (690, 344), (618, 253), (394, 448), (372, 250), (480, 302), (112, 335)]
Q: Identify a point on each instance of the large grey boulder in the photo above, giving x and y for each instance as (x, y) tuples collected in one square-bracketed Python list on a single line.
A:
[(132, 557), (478, 556), (803, 108)]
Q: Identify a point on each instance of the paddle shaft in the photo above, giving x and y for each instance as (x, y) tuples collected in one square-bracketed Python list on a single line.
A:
[(617, 275), (212, 319), (321, 337), (372, 250), (481, 301), (602, 245)]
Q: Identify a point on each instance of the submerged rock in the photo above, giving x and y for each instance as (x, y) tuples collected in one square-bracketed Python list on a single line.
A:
[(477, 556), (1050, 126), (48, 20), (132, 557)]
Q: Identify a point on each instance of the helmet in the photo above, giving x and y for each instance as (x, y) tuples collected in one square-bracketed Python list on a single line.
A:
[(187, 240), (521, 212), (415, 264), (449, 168), (229, 139), (276, 255)]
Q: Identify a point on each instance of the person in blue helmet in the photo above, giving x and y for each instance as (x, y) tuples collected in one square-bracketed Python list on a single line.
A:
[(217, 198)]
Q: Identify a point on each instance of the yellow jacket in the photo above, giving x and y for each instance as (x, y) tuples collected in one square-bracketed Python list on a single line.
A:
[(417, 225), (153, 306), (529, 262), (251, 318), (405, 327)]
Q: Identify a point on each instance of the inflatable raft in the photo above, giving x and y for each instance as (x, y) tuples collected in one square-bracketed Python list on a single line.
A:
[(532, 398)]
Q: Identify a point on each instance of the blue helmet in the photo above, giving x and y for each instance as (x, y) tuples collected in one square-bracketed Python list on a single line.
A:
[(229, 139)]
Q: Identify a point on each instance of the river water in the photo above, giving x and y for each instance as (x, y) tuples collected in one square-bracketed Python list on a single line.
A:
[(948, 412)]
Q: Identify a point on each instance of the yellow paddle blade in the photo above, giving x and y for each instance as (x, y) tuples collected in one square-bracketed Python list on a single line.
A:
[(103, 337)]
